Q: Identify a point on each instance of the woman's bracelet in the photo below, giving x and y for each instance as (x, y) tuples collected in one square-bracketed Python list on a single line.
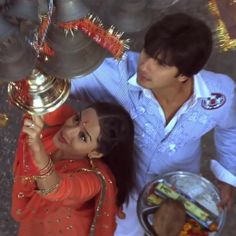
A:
[(48, 172), (47, 168), (48, 190), (45, 171), (44, 177)]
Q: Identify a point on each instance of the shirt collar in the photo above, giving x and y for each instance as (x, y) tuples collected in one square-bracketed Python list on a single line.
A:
[(200, 88), (133, 81)]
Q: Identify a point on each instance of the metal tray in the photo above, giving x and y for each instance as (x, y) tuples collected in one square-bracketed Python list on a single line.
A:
[(195, 186)]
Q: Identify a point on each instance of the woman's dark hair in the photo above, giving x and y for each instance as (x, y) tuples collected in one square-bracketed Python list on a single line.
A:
[(180, 40), (116, 143)]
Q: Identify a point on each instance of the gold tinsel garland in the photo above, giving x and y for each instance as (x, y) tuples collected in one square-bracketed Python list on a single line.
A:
[(225, 42)]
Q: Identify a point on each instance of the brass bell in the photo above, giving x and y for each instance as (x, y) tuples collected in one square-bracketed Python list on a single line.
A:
[(39, 93), (160, 5), (70, 10), (95, 5), (17, 58), (2, 2), (6, 29), (75, 54), (43, 7), (60, 41), (23, 10), (129, 15)]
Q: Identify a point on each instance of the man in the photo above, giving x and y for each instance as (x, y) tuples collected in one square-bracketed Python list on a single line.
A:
[(173, 103)]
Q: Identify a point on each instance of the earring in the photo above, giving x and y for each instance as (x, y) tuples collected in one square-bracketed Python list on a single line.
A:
[(91, 161)]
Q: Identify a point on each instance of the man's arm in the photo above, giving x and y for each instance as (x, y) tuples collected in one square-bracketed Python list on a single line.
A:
[(225, 140), (88, 88), (108, 82)]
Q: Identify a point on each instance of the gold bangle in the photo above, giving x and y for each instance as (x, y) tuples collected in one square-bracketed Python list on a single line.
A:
[(49, 160), (46, 173), (43, 177), (48, 190), (47, 168)]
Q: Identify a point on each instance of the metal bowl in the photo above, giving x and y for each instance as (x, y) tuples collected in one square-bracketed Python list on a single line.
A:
[(192, 185)]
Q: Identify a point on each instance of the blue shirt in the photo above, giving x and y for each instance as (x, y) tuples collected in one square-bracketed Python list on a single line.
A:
[(160, 148)]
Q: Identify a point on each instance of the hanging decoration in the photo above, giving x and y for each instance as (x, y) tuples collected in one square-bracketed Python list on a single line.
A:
[(67, 42), (39, 93), (128, 15), (92, 26), (39, 44), (226, 39), (154, 4)]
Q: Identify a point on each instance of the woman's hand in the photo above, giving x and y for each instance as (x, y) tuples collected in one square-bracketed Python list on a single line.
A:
[(48, 181), (33, 128)]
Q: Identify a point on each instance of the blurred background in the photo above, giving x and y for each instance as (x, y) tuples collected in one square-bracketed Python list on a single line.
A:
[(133, 17)]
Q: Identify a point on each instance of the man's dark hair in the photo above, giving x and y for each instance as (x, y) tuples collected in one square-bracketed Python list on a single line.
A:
[(180, 40)]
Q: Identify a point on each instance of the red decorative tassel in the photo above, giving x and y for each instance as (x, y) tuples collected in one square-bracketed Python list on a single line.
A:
[(46, 50), (22, 89), (105, 38)]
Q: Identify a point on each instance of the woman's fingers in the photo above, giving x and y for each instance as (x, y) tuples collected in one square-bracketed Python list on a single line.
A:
[(28, 122), (38, 120), (31, 128)]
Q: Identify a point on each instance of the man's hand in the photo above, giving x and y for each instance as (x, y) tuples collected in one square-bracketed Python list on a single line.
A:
[(226, 193)]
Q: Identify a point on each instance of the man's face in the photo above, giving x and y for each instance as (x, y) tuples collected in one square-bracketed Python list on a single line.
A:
[(152, 74)]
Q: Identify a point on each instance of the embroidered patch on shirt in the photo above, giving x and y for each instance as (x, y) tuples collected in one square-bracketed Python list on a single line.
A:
[(215, 101)]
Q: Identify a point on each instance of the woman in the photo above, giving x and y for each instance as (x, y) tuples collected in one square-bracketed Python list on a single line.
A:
[(72, 176)]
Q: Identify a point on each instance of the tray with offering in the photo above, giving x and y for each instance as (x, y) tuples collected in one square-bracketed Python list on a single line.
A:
[(198, 195)]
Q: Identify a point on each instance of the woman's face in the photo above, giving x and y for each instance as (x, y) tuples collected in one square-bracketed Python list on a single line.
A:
[(78, 136)]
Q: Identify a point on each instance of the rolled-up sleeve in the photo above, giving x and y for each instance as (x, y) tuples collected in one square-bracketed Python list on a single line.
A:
[(225, 140)]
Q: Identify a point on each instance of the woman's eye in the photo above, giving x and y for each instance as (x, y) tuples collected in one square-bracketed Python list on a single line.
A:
[(82, 136)]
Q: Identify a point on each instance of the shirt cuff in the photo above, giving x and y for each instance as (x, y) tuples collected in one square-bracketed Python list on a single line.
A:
[(222, 174)]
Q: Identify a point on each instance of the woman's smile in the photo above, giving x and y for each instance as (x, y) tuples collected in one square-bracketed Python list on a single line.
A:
[(61, 138)]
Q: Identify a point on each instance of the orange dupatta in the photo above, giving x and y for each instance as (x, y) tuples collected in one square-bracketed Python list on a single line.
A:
[(103, 222)]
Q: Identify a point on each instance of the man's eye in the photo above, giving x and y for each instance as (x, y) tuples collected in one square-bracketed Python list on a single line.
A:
[(82, 136), (161, 63)]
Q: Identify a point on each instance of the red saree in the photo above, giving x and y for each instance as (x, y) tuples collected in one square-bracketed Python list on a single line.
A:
[(84, 203)]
